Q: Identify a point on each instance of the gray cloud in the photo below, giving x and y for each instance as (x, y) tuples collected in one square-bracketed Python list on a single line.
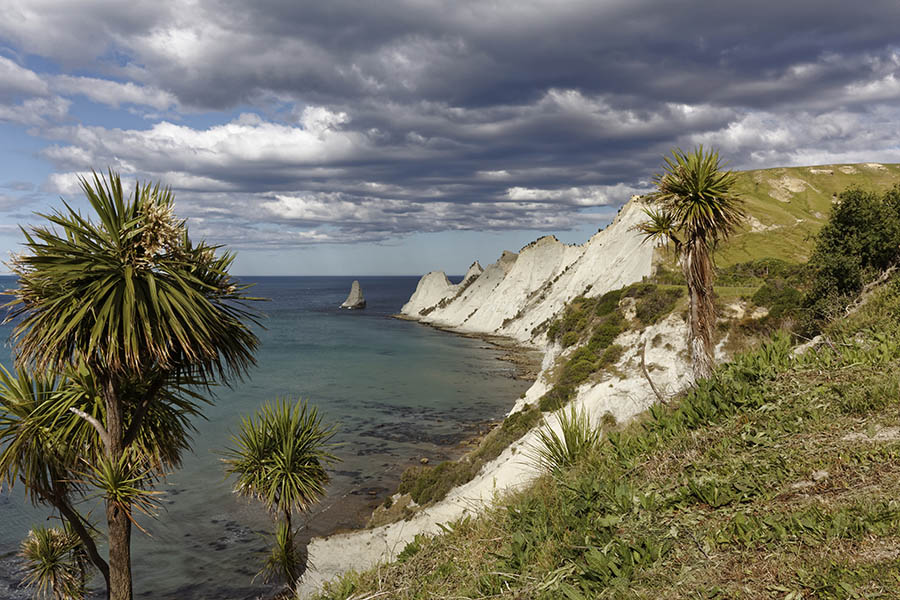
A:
[(369, 121)]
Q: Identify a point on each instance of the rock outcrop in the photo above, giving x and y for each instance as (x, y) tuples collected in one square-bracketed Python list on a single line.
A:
[(355, 298), (518, 295)]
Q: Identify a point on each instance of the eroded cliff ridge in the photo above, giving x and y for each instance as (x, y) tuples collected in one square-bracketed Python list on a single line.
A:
[(518, 295)]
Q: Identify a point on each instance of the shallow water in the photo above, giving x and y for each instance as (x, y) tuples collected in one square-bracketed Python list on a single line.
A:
[(399, 391)]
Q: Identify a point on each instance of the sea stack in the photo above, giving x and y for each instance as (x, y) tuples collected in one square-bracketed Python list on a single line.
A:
[(355, 299)]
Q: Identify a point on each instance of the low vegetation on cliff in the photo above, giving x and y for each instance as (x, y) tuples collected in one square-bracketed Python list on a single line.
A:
[(774, 478)]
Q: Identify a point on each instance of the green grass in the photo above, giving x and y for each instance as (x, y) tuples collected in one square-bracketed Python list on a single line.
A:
[(777, 478), (801, 216), (793, 220), (593, 324)]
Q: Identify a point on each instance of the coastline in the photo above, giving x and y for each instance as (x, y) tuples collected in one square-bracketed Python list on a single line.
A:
[(354, 514), (527, 358), (622, 395)]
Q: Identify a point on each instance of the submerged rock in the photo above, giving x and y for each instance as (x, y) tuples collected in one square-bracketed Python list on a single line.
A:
[(355, 299)]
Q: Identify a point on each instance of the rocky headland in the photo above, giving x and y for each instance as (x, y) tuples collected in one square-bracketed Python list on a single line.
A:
[(516, 298)]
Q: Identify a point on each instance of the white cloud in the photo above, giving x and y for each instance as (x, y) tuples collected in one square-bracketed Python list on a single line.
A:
[(114, 93), (35, 111), (319, 120), (577, 196), (243, 144), (16, 80)]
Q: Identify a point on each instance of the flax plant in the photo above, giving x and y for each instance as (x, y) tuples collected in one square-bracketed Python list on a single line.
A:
[(577, 439), (54, 563)]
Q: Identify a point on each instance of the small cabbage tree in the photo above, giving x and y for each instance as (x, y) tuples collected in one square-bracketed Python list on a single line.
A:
[(55, 563), (694, 207), (279, 458)]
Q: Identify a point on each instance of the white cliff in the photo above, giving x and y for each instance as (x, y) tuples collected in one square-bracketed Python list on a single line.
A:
[(355, 298), (519, 293)]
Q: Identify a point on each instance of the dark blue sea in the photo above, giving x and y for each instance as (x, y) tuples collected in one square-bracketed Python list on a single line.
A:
[(398, 390)]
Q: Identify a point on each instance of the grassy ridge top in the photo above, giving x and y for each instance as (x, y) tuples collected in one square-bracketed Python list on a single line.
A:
[(788, 205)]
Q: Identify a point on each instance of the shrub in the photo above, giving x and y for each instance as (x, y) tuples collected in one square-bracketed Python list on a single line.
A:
[(782, 299), (652, 307), (556, 453), (759, 271), (860, 240), (608, 303), (557, 397)]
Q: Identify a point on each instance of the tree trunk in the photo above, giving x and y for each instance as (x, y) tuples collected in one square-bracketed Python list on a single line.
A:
[(77, 524), (118, 521), (291, 575), (697, 268)]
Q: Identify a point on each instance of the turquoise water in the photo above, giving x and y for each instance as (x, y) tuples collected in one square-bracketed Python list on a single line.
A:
[(398, 390)]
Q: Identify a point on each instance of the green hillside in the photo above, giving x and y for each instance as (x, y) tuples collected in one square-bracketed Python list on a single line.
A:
[(778, 478), (787, 205)]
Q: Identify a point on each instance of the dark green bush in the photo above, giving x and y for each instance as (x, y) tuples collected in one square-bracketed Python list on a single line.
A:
[(760, 271), (557, 397), (780, 297), (652, 307), (608, 303), (569, 339), (860, 240)]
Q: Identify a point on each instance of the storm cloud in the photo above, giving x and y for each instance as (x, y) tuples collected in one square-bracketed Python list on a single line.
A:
[(292, 123)]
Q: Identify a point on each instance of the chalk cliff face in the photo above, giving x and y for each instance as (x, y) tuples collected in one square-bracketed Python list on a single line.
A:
[(518, 294)]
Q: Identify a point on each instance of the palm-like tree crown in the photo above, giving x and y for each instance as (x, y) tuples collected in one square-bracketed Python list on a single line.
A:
[(695, 210), (129, 292), (696, 204), (280, 454)]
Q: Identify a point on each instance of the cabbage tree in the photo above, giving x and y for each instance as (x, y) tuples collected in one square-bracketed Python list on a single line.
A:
[(124, 295), (694, 207)]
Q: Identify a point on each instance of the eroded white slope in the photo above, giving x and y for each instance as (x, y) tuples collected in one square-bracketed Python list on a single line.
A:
[(434, 287), (519, 293), (623, 396)]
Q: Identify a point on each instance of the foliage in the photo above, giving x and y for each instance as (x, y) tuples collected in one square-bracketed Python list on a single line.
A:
[(760, 271), (54, 563), (860, 240), (653, 302), (286, 559), (577, 439), (430, 484), (128, 292), (597, 322), (695, 209), (279, 458), (136, 318), (780, 297), (775, 478)]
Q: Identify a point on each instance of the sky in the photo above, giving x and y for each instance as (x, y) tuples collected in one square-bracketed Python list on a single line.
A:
[(399, 137)]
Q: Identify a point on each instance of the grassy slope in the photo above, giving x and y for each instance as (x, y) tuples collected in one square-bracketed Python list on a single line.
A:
[(776, 479), (796, 216), (726, 507)]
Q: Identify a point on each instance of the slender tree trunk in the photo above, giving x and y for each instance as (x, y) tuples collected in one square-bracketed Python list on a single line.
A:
[(291, 575), (117, 519), (74, 519), (697, 268)]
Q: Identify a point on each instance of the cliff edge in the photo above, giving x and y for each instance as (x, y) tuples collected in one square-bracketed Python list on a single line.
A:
[(518, 295)]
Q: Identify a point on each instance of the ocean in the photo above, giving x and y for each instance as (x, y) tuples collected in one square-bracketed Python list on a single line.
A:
[(399, 391)]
